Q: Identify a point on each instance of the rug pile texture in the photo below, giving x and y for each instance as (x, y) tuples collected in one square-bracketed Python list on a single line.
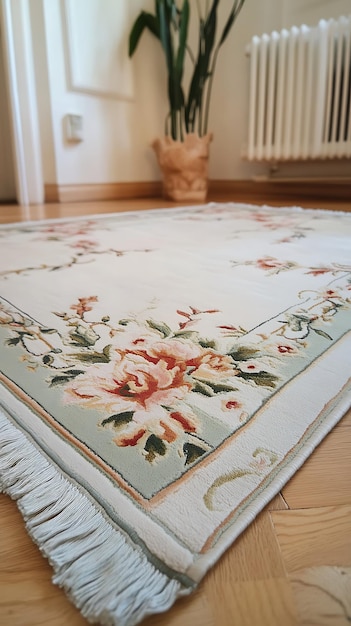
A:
[(164, 373)]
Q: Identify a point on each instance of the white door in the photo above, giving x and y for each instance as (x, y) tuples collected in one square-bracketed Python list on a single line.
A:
[(19, 76), (7, 169)]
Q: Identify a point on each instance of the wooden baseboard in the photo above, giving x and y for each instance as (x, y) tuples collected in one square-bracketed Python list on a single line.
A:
[(246, 190), (51, 193), (287, 189), (107, 191)]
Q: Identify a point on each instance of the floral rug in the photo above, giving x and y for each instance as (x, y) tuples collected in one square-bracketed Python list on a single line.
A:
[(164, 373)]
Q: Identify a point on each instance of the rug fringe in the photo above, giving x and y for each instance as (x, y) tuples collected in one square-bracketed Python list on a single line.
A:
[(108, 578)]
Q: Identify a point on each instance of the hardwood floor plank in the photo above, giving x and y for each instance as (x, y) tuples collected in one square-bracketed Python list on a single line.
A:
[(194, 610), (323, 596), (314, 485), (254, 603), (255, 555), (28, 596), (313, 537)]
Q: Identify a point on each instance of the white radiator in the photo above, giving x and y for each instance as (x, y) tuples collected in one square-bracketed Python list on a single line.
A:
[(300, 93)]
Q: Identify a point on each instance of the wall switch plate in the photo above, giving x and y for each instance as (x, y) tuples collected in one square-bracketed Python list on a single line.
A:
[(74, 128)]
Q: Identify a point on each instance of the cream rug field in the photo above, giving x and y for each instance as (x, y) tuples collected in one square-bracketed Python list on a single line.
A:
[(164, 373)]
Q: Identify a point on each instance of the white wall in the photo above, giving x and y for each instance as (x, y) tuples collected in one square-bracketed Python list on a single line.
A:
[(229, 113), (118, 132), (309, 12)]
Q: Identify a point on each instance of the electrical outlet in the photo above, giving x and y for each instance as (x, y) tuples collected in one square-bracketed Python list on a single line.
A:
[(74, 128)]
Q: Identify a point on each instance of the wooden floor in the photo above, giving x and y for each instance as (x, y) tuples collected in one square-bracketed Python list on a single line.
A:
[(291, 567)]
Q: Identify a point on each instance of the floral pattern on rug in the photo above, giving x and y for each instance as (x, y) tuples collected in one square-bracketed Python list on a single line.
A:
[(154, 359), (141, 375)]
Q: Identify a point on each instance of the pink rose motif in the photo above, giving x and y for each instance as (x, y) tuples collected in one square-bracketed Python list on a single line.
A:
[(147, 386), (269, 263), (69, 229), (231, 404), (132, 381), (85, 245), (213, 367), (146, 383), (286, 349), (274, 266)]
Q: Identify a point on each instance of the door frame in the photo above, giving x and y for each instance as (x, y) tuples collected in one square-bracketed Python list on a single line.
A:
[(19, 71)]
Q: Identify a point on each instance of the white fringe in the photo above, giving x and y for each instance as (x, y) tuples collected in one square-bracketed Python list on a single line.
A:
[(110, 580)]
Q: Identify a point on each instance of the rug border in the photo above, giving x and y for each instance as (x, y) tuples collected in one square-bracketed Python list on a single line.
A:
[(169, 210)]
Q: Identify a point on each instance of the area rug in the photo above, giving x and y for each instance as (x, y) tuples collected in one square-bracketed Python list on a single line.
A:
[(164, 373)]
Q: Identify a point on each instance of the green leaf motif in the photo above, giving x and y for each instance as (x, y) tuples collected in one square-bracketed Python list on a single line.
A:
[(13, 341), (321, 333), (207, 343), (221, 387), (79, 340), (154, 446), (161, 327), (119, 419), (261, 379), (124, 322), (59, 380), (202, 388), (185, 334), (222, 480), (92, 357), (49, 331), (106, 351), (242, 353), (65, 378), (192, 452)]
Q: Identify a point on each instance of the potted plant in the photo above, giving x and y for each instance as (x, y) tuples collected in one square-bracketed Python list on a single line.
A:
[(184, 150)]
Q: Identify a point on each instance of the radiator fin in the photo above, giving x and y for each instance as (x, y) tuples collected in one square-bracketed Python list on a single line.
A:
[(300, 93)]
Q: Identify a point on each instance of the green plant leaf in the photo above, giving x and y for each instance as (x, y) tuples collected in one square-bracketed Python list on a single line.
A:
[(143, 21), (165, 35), (231, 19), (183, 36), (207, 33)]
